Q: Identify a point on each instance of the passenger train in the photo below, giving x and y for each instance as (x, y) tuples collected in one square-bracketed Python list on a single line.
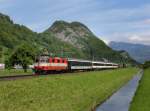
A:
[(46, 64)]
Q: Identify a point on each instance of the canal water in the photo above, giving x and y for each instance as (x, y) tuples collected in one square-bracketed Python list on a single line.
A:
[(120, 101)]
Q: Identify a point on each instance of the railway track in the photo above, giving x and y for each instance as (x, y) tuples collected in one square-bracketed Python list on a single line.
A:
[(4, 78), (16, 77)]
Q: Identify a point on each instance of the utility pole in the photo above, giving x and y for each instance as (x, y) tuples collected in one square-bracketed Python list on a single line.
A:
[(1, 55), (93, 58)]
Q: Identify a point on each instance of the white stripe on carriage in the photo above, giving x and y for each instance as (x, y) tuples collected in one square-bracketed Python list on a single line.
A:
[(81, 67), (104, 67)]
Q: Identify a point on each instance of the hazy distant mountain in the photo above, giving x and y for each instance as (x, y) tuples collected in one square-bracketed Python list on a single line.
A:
[(139, 52)]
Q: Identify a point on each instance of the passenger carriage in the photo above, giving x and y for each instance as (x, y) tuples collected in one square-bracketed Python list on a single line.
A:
[(78, 64)]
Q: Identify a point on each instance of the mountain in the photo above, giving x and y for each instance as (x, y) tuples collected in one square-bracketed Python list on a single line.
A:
[(65, 39), (80, 41), (12, 34), (139, 52), (80, 37)]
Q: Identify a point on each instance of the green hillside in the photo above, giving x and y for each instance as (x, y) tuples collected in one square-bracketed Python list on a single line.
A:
[(65, 39), (12, 34)]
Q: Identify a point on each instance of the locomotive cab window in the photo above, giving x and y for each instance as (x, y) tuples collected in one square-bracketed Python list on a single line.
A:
[(44, 59)]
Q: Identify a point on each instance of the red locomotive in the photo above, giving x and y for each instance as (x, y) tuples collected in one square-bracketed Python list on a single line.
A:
[(45, 64)]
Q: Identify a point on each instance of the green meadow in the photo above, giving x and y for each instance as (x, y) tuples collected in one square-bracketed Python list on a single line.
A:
[(67, 92), (13, 72), (141, 101)]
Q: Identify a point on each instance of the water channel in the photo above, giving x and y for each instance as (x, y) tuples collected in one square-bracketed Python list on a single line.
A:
[(120, 101)]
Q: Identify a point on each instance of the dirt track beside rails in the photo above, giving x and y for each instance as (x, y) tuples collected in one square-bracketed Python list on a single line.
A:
[(26, 76), (5, 78)]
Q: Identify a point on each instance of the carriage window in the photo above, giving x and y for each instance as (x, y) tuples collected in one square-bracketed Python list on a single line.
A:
[(98, 64)]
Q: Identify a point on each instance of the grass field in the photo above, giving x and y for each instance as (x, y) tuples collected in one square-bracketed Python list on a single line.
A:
[(12, 72), (68, 92), (141, 101)]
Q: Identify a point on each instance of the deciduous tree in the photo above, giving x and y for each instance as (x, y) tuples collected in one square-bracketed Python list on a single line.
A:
[(24, 55)]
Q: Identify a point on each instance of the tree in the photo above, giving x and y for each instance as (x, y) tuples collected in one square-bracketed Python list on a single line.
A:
[(146, 64), (24, 55)]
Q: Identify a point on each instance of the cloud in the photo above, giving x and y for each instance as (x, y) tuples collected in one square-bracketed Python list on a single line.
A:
[(110, 20), (105, 40), (140, 37), (143, 39), (127, 25), (147, 21)]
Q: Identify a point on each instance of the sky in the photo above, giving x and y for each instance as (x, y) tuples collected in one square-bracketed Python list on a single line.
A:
[(110, 20)]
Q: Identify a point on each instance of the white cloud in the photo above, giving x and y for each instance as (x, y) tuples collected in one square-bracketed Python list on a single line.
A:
[(105, 40), (112, 23), (147, 21), (144, 39), (139, 37), (135, 38)]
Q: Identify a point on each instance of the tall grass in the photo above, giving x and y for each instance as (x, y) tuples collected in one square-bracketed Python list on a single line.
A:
[(141, 101), (68, 92)]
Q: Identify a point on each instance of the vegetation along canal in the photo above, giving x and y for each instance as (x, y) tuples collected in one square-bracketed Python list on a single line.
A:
[(120, 101)]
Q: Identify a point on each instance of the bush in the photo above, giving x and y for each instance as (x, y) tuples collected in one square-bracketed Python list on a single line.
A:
[(146, 65)]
